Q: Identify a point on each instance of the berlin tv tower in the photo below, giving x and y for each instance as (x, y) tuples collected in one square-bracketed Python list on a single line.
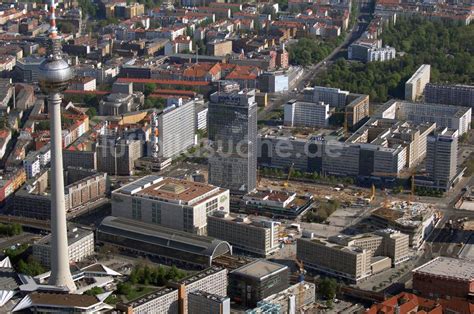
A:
[(55, 75)]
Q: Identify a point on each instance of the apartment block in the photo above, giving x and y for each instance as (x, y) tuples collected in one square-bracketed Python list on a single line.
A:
[(395, 245), (306, 114), (256, 281), (173, 203), (370, 50), (164, 300), (357, 109), (27, 69), (219, 47), (441, 157), (379, 146), (80, 192), (37, 160), (384, 242), (117, 156), (83, 83), (454, 117), (332, 96), (415, 220), (203, 302), (405, 139), (80, 246), (415, 86), (176, 129), (179, 297), (456, 95), (259, 237), (212, 280), (340, 159), (347, 262), (87, 189), (80, 158)]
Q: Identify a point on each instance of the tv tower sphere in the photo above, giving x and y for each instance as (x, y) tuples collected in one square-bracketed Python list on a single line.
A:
[(55, 75)]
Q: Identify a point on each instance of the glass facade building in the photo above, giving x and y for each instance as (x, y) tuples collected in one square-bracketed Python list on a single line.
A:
[(232, 129)]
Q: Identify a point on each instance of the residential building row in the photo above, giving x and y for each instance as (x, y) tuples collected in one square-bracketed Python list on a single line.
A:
[(354, 258)]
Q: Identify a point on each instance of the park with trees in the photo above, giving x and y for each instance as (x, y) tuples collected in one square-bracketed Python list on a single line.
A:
[(23, 261), (447, 46)]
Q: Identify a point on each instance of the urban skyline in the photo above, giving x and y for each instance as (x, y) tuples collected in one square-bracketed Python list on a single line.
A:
[(223, 157)]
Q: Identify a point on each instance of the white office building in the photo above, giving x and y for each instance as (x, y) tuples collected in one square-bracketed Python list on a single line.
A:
[(177, 130), (80, 246), (329, 95), (169, 202), (441, 157), (306, 114)]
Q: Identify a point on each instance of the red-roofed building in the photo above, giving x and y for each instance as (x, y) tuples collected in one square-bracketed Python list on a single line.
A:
[(202, 87), (412, 304), (203, 72), (406, 303), (245, 76)]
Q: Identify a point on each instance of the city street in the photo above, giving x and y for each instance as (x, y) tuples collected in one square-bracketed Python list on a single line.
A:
[(310, 72)]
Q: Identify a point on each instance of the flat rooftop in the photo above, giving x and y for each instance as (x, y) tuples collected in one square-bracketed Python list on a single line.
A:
[(8, 279), (271, 195), (417, 109), (202, 274), (335, 245), (170, 189), (150, 296), (300, 134), (209, 296), (260, 269), (460, 269), (74, 234), (69, 300)]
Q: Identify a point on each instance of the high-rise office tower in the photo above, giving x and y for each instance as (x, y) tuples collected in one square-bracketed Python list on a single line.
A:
[(232, 130), (55, 75), (441, 156)]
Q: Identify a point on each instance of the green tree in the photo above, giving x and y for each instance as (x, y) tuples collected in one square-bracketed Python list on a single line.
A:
[(42, 125), (91, 112), (282, 4), (66, 27), (327, 288), (200, 46), (124, 288), (31, 267), (88, 8), (149, 88), (10, 229), (446, 46), (156, 103), (94, 291)]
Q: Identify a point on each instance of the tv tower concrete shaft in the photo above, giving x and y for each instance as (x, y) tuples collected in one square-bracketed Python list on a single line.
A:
[(60, 272)]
